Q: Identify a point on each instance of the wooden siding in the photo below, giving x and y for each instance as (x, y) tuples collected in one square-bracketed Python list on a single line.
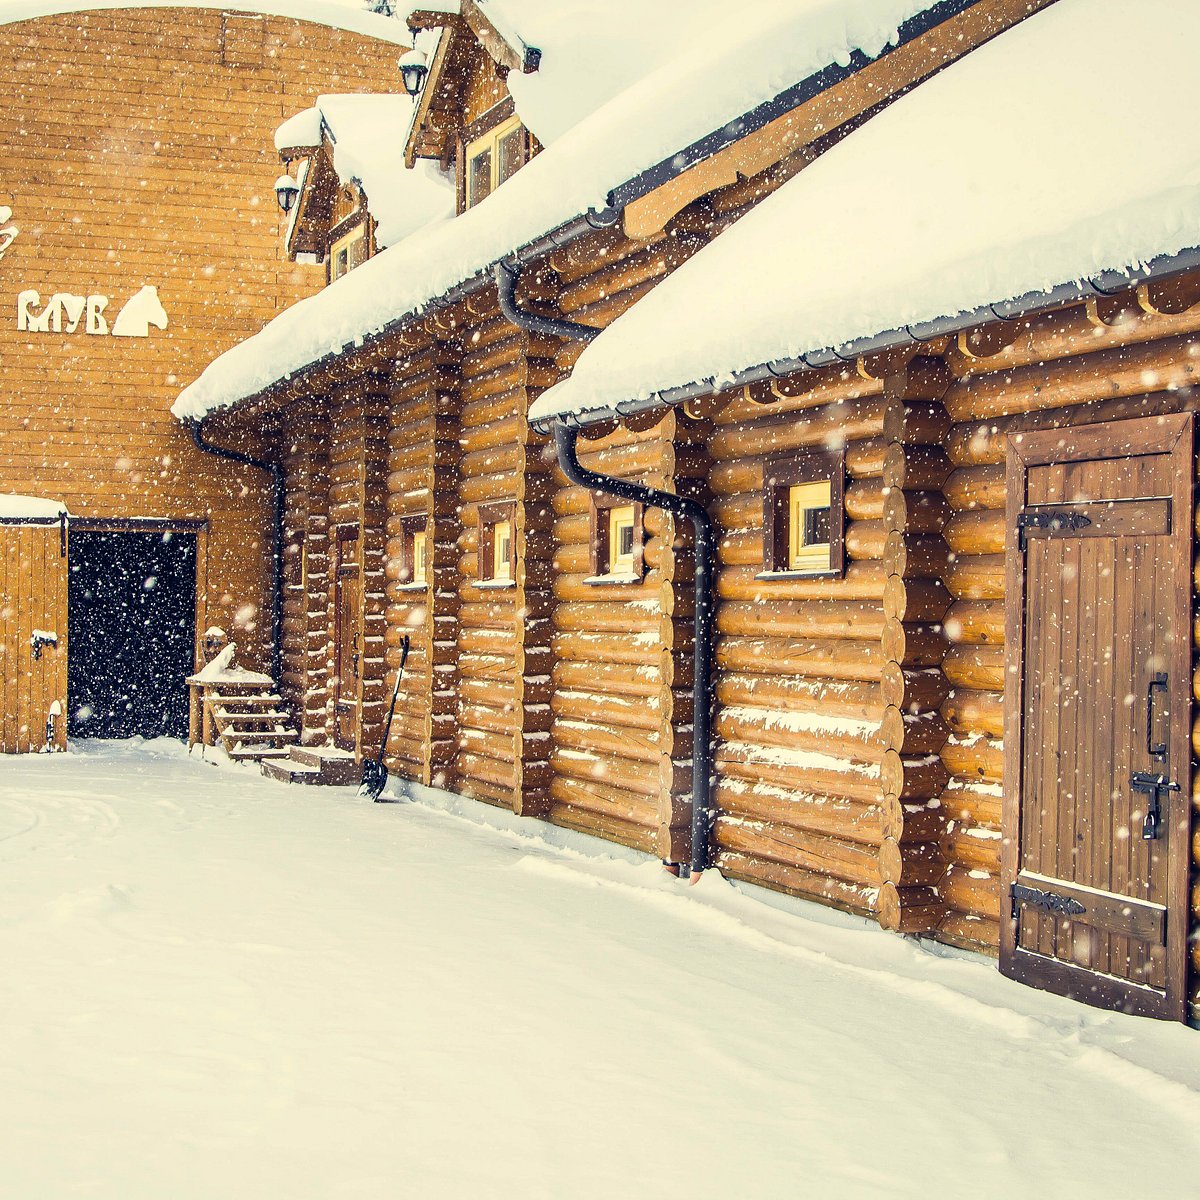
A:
[(134, 154), (33, 595)]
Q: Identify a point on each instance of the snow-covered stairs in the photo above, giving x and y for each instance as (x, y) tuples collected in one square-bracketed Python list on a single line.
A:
[(251, 722), (324, 765)]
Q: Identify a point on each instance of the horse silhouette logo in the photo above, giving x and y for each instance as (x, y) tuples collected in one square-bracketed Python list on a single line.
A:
[(140, 312), (8, 233)]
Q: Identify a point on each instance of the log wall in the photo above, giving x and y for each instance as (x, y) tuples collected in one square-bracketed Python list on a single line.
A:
[(1087, 364), (423, 483), (800, 682), (305, 650), (503, 628)]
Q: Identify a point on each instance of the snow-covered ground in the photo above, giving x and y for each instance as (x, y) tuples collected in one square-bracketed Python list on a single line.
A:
[(217, 986)]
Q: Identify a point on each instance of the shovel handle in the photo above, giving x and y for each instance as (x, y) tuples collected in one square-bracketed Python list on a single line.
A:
[(387, 729)]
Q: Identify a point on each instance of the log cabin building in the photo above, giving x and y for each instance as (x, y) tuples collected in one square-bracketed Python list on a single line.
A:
[(138, 234), (820, 568)]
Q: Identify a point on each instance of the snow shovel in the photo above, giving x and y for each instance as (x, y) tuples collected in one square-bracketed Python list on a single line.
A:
[(375, 774)]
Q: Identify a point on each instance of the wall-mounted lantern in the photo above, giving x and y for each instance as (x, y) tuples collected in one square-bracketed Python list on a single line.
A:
[(286, 191), (413, 70)]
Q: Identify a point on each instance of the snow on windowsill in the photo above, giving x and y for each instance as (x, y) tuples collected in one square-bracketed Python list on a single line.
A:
[(612, 580), (494, 584)]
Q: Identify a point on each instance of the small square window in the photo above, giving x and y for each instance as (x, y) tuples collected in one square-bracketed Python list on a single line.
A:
[(803, 517), (497, 543), (617, 538), (414, 552)]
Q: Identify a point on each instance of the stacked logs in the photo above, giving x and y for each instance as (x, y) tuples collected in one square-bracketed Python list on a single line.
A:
[(503, 641), (421, 486), (357, 479), (305, 654), (612, 744), (1116, 358), (799, 661), (915, 600)]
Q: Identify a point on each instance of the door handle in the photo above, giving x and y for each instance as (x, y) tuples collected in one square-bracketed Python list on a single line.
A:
[(1157, 683), (1153, 786)]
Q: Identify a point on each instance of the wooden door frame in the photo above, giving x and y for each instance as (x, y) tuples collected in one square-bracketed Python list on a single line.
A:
[(1169, 434)]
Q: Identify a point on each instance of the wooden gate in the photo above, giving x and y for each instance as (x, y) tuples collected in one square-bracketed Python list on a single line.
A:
[(1097, 717), (347, 608), (33, 632)]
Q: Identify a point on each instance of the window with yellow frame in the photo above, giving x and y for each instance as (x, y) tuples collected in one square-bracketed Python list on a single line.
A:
[(414, 552), (803, 514), (616, 551), (492, 158), (497, 562), (347, 253)]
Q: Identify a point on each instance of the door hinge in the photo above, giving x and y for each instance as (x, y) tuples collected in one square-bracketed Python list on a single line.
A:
[(1051, 902), (1051, 520)]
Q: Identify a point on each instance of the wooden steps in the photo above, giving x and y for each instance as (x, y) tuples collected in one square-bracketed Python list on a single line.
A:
[(322, 765), (250, 722)]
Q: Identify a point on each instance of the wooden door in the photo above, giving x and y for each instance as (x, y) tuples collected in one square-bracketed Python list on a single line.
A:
[(1097, 754), (33, 635), (347, 637)]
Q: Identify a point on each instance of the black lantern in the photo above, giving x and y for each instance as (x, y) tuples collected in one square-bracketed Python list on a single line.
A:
[(413, 70), (286, 191)]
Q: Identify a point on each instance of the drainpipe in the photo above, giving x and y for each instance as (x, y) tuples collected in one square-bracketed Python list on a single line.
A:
[(565, 439), (276, 471)]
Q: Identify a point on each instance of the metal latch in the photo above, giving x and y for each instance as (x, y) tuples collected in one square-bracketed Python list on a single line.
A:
[(1153, 786), (1050, 519), (1051, 902), (40, 638)]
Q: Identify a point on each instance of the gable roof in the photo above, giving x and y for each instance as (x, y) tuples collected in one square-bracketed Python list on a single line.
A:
[(364, 131), (709, 83), (1007, 174)]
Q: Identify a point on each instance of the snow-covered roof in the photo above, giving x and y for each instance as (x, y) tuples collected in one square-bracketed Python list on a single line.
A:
[(368, 146), (700, 75), (24, 508), (1007, 173), (352, 18)]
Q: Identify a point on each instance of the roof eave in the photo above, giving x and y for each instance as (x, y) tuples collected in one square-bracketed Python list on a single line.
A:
[(1104, 284)]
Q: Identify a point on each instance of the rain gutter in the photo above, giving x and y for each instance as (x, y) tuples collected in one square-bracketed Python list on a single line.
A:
[(508, 275), (1103, 285)]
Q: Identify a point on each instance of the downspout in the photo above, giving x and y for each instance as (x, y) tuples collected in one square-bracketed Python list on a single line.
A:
[(276, 471), (565, 439)]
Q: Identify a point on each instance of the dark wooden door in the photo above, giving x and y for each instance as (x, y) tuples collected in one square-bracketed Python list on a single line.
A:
[(347, 648), (1098, 713)]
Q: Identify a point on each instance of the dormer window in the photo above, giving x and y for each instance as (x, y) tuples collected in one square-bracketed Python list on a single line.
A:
[(347, 253), (493, 158), (493, 149)]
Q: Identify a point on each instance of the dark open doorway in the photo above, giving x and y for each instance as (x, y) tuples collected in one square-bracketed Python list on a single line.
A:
[(131, 633)]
